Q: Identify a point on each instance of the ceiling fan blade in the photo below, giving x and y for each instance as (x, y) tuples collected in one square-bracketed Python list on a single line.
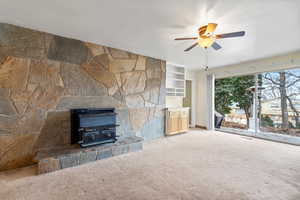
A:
[(187, 38), (191, 46), (211, 27), (229, 35), (202, 30), (216, 46)]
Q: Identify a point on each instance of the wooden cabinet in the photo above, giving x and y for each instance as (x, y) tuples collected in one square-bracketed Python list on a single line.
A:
[(177, 120)]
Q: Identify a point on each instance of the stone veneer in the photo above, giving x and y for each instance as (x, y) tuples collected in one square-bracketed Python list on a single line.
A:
[(74, 156), (42, 76)]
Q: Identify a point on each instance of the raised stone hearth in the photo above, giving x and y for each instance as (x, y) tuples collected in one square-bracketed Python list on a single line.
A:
[(49, 161), (43, 76)]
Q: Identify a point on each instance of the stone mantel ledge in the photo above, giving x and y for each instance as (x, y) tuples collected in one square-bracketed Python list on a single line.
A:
[(53, 160)]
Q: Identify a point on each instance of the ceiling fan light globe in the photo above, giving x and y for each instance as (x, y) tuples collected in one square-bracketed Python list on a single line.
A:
[(206, 42)]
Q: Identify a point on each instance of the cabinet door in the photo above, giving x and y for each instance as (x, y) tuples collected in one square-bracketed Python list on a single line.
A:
[(184, 124), (184, 120), (180, 125), (173, 122), (176, 121)]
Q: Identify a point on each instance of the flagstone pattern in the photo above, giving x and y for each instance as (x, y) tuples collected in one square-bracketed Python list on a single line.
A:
[(43, 76)]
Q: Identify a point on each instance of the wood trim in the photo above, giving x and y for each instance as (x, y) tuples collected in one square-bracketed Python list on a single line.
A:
[(202, 127)]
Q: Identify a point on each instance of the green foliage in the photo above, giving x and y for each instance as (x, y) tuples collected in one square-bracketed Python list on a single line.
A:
[(234, 90), (241, 93), (266, 121), (291, 125), (223, 99)]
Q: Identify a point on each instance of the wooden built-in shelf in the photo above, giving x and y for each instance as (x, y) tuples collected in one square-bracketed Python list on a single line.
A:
[(175, 80)]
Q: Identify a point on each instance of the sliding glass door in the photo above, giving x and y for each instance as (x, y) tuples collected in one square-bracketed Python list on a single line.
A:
[(264, 105), (280, 102), (234, 99)]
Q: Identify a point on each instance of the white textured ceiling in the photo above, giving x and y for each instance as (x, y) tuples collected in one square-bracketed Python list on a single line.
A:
[(148, 26)]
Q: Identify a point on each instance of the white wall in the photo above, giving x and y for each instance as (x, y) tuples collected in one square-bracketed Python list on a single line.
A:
[(276, 63), (201, 101), (192, 75), (173, 102)]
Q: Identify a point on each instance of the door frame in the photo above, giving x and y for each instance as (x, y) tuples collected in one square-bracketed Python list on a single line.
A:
[(210, 82)]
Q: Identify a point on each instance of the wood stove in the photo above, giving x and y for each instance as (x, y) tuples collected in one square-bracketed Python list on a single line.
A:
[(91, 127)]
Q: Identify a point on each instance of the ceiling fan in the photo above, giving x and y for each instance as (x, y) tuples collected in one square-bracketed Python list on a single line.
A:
[(207, 37)]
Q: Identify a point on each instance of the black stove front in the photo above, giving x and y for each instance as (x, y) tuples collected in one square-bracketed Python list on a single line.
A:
[(93, 126)]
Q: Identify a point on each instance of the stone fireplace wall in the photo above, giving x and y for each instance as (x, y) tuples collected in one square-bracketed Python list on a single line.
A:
[(43, 76)]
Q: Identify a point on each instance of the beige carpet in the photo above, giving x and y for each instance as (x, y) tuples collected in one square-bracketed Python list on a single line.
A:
[(197, 165)]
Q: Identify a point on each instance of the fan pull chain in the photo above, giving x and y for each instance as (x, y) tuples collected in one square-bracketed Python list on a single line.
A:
[(206, 60)]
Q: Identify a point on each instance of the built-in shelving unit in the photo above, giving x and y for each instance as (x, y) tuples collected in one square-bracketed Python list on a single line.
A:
[(175, 80)]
